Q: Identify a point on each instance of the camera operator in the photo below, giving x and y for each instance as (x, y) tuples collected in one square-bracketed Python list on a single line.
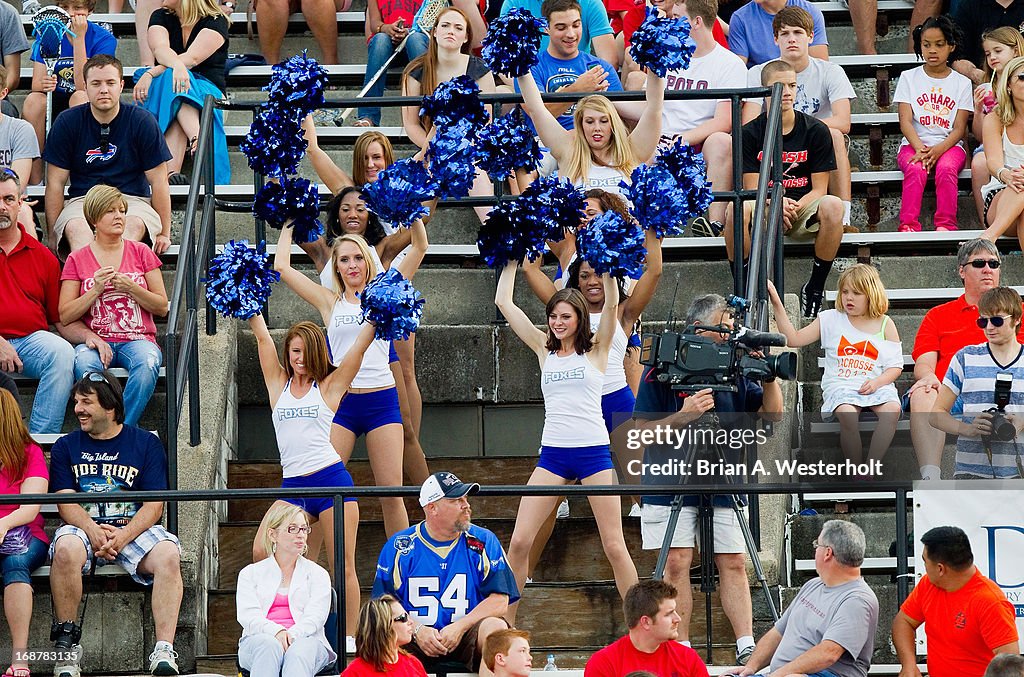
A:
[(989, 379), (659, 405)]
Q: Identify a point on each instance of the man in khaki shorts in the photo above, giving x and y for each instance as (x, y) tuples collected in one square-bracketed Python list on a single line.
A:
[(107, 142), (808, 212)]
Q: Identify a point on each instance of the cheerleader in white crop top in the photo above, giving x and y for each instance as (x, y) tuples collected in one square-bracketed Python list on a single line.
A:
[(574, 444), (863, 357), (372, 407), (303, 397)]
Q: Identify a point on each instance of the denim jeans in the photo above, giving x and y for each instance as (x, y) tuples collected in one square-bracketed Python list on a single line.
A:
[(19, 568), (378, 50), (142, 359), (263, 656), (49, 358)]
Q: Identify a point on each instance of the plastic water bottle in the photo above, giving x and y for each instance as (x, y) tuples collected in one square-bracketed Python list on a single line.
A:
[(550, 665)]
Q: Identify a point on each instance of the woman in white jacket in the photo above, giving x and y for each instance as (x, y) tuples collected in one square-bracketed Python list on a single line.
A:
[(282, 603)]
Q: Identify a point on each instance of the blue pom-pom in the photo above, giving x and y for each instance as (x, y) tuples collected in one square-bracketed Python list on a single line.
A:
[(393, 305), (555, 203), (662, 44), (454, 100), (506, 145), (240, 279), (298, 84), (612, 245), (658, 202), (397, 195), (691, 173), (292, 198), (453, 158), (275, 143), (501, 238), (512, 43)]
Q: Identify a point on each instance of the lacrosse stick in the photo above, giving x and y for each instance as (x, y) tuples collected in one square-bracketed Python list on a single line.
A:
[(423, 22), (51, 25)]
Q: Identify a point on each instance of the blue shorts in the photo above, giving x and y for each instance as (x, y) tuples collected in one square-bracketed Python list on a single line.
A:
[(364, 412), (332, 476), (956, 410), (392, 355), (823, 673), (19, 568), (620, 402), (575, 463)]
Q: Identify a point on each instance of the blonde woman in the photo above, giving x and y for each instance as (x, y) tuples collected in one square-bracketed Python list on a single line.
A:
[(599, 151), (384, 628), (283, 602), (189, 39), (1003, 135)]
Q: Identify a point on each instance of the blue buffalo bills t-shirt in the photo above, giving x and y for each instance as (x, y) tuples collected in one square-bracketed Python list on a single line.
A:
[(133, 145), (133, 460), (552, 74), (98, 40)]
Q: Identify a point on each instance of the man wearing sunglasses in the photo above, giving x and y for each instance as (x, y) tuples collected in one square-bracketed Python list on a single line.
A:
[(946, 329)]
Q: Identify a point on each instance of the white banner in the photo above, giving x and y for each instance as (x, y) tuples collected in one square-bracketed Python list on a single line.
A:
[(991, 513)]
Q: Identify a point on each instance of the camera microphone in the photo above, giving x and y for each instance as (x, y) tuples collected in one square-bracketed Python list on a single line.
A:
[(758, 339)]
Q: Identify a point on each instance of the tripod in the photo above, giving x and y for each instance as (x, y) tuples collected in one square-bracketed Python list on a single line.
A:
[(706, 543)]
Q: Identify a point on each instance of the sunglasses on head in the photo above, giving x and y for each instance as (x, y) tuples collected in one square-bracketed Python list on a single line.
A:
[(996, 320), (981, 263), (96, 377)]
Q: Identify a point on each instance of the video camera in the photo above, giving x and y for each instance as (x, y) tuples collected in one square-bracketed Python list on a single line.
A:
[(689, 361)]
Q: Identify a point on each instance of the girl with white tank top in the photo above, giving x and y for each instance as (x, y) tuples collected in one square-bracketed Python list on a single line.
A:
[(574, 443), (371, 407), (303, 397), (1003, 136)]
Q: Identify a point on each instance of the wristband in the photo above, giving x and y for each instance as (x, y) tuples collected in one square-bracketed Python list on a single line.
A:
[(999, 174)]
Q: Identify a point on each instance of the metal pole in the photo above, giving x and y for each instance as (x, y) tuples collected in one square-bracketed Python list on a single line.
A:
[(338, 513), (737, 202), (902, 584)]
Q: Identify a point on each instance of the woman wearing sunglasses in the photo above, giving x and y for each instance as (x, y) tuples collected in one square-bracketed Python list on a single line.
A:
[(1003, 135), (283, 602), (989, 379), (384, 628)]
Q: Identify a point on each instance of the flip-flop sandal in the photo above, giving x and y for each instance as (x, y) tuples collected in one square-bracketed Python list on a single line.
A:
[(18, 672), (363, 122)]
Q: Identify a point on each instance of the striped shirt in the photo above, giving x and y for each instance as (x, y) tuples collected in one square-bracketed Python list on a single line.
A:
[(972, 376)]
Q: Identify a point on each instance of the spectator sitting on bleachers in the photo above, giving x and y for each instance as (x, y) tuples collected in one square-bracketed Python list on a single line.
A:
[(12, 43), (30, 292), (321, 18), (1006, 665), (68, 81), (822, 91), (967, 618), (1001, 46), (944, 330), (189, 39), (934, 104), (596, 35), (388, 22), (650, 644), (863, 380), (507, 653), (974, 374), (808, 213), (115, 286), (452, 576), (18, 151), (283, 601), (122, 531), (448, 56), (1004, 132), (829, 628), (973, 19), (384, 629), (21, 526), (750, 30), (112, 143)]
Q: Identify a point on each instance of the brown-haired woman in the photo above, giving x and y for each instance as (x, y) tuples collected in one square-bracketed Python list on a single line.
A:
[(384, 628), (304, 397), (22, 471), (575, 442)]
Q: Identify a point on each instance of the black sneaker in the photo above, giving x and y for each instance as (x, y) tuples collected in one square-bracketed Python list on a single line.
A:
[(701, 227), (810, 302)]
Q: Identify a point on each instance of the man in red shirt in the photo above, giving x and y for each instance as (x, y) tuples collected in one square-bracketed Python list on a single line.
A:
[(650, 610), (967, 618), (29, 292), (944, 330)]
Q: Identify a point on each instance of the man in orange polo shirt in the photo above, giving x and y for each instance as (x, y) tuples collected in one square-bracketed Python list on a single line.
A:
[(967, 618), (944, 330)]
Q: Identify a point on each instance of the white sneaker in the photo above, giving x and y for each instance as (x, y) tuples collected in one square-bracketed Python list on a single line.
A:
[(163, 661), (563, 509), (69, 668)]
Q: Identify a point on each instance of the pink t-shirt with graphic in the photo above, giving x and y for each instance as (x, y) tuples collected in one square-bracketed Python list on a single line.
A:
[(35, 466), (116, 316)]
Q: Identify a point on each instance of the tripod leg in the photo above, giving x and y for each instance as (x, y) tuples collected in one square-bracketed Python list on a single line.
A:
[(755, 558)]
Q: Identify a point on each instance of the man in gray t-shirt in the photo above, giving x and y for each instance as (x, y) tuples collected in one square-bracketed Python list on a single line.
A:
[(829, 628)]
